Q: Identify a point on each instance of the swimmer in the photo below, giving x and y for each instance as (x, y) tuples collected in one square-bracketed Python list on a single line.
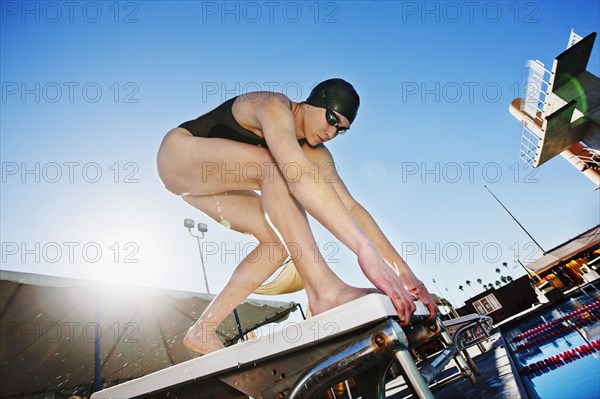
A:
[(263, 141)]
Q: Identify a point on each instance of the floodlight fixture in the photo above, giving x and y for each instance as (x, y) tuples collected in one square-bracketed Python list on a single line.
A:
[(202, 228)]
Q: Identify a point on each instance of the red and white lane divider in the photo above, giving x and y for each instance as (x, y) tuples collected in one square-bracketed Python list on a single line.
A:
[(553, 362), (547, 331)]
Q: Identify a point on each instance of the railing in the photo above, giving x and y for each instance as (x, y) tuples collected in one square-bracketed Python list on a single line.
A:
[(591, 161), (535, 106), (530, 143), (536, 90)]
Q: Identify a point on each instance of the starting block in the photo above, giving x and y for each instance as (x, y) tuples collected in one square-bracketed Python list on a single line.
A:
[(360, 340), (470, 330)]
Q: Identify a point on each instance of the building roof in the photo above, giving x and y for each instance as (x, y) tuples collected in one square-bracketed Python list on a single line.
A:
[(587, 240)]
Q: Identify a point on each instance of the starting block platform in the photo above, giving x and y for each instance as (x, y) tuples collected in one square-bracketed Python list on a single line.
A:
[(360, 340)]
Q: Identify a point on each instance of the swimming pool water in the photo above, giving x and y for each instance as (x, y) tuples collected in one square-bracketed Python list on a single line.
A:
[(577, 377)]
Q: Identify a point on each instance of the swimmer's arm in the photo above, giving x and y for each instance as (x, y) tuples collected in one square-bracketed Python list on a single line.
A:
[(391, 256), (323, 157), (305, 180), (319, 198)]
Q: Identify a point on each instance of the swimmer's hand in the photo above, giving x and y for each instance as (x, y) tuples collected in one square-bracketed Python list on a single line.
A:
[(384, 278), (418, 292)]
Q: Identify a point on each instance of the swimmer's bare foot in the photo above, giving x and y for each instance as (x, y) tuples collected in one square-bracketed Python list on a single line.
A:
[(202, 338), (348, 294)]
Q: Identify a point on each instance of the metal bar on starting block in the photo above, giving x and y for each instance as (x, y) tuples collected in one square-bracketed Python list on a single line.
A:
[(433, 369), (370, 349), (412, 376)]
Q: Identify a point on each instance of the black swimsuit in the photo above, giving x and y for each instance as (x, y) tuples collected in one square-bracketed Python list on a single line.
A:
[(220, 123)]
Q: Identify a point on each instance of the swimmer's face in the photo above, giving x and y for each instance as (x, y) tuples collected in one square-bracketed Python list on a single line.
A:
[(326, 124), (335, 120)]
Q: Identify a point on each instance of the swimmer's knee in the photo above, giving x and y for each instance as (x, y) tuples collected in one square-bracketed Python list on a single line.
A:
[(170, 182), (276, 250)]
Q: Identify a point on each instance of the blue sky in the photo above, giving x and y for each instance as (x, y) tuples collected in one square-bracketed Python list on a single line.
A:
[(88, 92)]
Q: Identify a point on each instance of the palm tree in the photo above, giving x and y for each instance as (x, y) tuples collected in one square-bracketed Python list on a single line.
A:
[(498, 283), (503, 279), (480, 281), (460, 287), (510, 279), (506, 265), (490, 286), (498, 271), (469, 284)]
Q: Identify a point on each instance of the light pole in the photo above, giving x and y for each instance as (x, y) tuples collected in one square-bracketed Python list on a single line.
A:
[(507, 268), (438, 288), (202, 228), (449, 295)]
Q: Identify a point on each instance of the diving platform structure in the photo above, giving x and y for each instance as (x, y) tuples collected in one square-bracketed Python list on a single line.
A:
[(560, 110), (359, 345)]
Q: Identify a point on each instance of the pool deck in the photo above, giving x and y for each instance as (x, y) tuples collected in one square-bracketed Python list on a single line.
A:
[(498, 378)]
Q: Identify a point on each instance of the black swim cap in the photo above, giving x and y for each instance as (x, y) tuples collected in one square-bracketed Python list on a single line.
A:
[(337, 95)]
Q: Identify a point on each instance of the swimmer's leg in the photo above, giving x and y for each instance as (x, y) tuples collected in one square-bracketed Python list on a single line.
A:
[(243, 210), (324, 289), (201, 167)]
